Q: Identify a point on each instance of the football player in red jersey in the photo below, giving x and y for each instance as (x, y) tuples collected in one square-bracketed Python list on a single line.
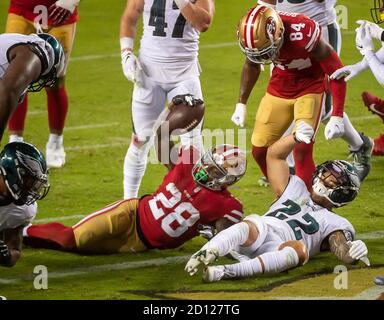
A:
[(57, 18), (193, 193), (302, 61)]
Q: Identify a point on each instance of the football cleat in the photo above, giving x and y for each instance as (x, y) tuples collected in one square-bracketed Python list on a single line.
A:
[(216, 273), (374, 104), (362, 157), (378, 149), (263, 182), (55, 155)]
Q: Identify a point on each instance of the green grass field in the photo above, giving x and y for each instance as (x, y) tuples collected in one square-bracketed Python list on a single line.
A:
[(96, 138)]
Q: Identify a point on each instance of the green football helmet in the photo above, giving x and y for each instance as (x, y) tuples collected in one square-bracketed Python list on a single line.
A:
[(25, 172), (48, 79)]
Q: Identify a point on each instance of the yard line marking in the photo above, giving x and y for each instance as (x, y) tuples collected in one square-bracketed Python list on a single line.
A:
[(361, 118), (96, 146), (104, 267), (115, 55), (92, 126), (45, 220), (379, 234)]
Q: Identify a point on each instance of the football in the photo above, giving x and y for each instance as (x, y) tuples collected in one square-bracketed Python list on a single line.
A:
[(185, 113)]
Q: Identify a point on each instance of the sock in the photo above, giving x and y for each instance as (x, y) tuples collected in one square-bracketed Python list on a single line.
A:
[(304, 164), (229, 239), (17, 120), (57, 108), (260, 156), (55, 139), (135, 163), (269, 262), (50, 236), (351, 136), (15, 138)]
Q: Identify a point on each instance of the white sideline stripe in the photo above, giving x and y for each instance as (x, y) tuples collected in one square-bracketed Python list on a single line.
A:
[(371, 293), (115, 55), (105, 267), (92, 126)]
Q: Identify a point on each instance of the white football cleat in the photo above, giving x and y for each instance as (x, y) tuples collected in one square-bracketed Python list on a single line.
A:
[(216, 273), (55, 155)]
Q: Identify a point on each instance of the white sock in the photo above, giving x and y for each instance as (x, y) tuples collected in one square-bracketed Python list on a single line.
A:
[(229, 239), (351, 136), (135, 163), (15, 138), (272, 262), (55, 139)]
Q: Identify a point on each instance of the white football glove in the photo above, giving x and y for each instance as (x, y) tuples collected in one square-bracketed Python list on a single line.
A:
[(131, 66), (334, 128), (348, 72), (238, 117), (206, 231), (205, 256), (364, 42), (373, 28), (359, 251), (61, 10), (304, 132)]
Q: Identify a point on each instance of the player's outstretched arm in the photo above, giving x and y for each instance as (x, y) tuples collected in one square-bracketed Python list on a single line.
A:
[(346, 250), (277, 166), (10, 246), (198, 13), (25, 67)]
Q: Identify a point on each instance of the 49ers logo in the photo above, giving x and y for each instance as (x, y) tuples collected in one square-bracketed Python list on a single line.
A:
[(270, 27)]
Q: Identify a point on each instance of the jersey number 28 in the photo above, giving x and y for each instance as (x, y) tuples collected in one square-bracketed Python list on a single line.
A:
[(178, 215)]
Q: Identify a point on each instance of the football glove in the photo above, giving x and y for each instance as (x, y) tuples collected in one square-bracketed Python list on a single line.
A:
[(238, 117), (364, 41), (348, 72), (205, 256), (375, 31), (61, 10), (5, 254), (206, 231), (304, 132), (131, 66), (359, 251), (334, 128)]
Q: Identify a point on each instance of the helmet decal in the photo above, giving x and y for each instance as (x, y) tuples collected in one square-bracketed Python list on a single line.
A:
[(29, 162)]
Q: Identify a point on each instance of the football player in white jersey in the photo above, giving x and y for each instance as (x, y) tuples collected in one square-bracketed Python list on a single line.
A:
[(297, 226), (323, 12), (27, 63), (23, 181), (167, 65)]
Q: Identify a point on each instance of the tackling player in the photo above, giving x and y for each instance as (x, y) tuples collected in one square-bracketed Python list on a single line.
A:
[(296, 89), (23, 181), (28, 63), (167, 65), (323, 12), (61, 17), (297, 226)]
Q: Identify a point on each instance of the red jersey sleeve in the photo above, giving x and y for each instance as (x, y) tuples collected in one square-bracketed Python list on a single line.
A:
[(234, 210)]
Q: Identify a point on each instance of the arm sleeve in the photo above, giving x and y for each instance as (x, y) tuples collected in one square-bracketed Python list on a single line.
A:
[(235, 211), (376, 66)]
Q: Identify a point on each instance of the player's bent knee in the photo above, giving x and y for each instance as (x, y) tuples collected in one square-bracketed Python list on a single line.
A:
[(253, 233), (300, 248), (137, 141)]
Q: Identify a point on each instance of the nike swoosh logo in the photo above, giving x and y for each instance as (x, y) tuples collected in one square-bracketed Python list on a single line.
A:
[(373, 109)]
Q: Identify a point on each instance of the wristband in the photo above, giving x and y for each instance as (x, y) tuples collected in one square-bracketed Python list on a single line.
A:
[(181, 3), (126, 43)]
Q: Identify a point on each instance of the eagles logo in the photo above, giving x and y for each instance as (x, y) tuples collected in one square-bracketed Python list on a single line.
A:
[(270, 27), (30, 163)]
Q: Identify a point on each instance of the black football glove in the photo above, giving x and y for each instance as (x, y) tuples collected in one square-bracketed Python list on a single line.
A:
[(187, 99), (5, 254)]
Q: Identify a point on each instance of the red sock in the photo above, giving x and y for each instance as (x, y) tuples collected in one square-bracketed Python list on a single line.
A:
[(51, 236), (57, 108), (260, 156), (17, 120), (304, 164)]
